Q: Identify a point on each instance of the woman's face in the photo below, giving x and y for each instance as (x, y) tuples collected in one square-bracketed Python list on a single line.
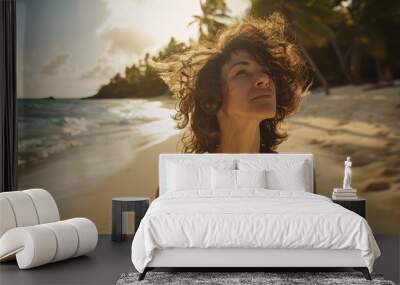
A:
[(248, 89)]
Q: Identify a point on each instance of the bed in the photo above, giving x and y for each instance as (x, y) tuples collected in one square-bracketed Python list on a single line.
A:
[(247, 210)]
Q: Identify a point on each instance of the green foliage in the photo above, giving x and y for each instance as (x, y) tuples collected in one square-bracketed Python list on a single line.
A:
[(211, 21), (347, 41), (354, 39), (375, 26), (140, 81)]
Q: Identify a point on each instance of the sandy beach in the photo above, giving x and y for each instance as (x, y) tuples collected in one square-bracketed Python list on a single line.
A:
[(352, 121), (362, 123), (138, 178)]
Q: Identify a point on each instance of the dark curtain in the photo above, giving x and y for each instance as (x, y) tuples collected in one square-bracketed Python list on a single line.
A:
[(8, 128)]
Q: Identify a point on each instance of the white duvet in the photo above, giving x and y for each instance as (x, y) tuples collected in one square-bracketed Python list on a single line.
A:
[(251, 218)]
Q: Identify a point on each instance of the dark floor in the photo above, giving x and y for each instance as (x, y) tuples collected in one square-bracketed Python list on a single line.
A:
[(111, 259)]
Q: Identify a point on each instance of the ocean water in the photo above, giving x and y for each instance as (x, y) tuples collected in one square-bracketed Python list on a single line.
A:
[(48, 127)]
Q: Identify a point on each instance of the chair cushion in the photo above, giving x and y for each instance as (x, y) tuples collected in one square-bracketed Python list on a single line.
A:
[(27, 208), (87, 233), (40, 244), (7, 215), (45, 205), (67, 239), (23, 208), (32, 246)]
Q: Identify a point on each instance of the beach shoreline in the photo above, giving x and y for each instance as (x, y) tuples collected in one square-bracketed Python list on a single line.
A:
[(330, 127), (138, 178)]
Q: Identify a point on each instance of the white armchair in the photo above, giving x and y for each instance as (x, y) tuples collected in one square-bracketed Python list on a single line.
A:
[(31, 230)]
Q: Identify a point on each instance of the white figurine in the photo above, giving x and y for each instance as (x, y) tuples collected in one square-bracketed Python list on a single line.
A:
[(347, 174)]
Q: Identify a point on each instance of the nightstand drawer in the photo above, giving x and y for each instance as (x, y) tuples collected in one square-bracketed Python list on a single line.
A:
[(357, 206)]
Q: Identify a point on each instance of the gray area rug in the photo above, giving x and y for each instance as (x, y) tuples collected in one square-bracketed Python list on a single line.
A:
[(225, 278)]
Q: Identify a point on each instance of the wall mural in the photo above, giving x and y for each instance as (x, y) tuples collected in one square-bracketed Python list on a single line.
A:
[(93, 115)]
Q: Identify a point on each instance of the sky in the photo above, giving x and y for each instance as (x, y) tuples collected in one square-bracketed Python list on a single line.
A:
[(69, 48)]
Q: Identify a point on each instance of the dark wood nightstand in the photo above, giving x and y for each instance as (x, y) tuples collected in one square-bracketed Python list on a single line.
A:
[(357, 206), (139, 205)]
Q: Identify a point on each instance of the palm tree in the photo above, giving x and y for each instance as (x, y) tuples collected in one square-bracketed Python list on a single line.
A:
[(116, 79), (309, 21), (371, 22), (214, 11), (171, 48)]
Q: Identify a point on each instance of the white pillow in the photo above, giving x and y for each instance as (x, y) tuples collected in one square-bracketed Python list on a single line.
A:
[(223, 179), (281, 174), (181, 177), (287, 179), (189, 174), (251, 178), (230, 179)]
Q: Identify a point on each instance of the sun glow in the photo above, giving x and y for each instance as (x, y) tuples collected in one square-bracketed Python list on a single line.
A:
[(153, 22)]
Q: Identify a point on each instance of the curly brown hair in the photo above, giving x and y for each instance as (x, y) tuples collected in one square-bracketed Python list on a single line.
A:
[(194, 77)]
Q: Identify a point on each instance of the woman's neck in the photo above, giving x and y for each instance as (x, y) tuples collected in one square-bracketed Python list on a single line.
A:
[(240, 137)]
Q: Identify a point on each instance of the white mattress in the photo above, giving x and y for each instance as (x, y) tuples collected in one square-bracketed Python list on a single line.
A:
[(252, 218), (256, 257)]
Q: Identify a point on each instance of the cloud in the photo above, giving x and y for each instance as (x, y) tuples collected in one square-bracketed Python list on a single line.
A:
[(124, 39), (97, 72), (56, 64), (101, 70), (123, 42), (120, 31)]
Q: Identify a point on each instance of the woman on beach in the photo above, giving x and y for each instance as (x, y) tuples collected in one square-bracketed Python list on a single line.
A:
[(233, 94)]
